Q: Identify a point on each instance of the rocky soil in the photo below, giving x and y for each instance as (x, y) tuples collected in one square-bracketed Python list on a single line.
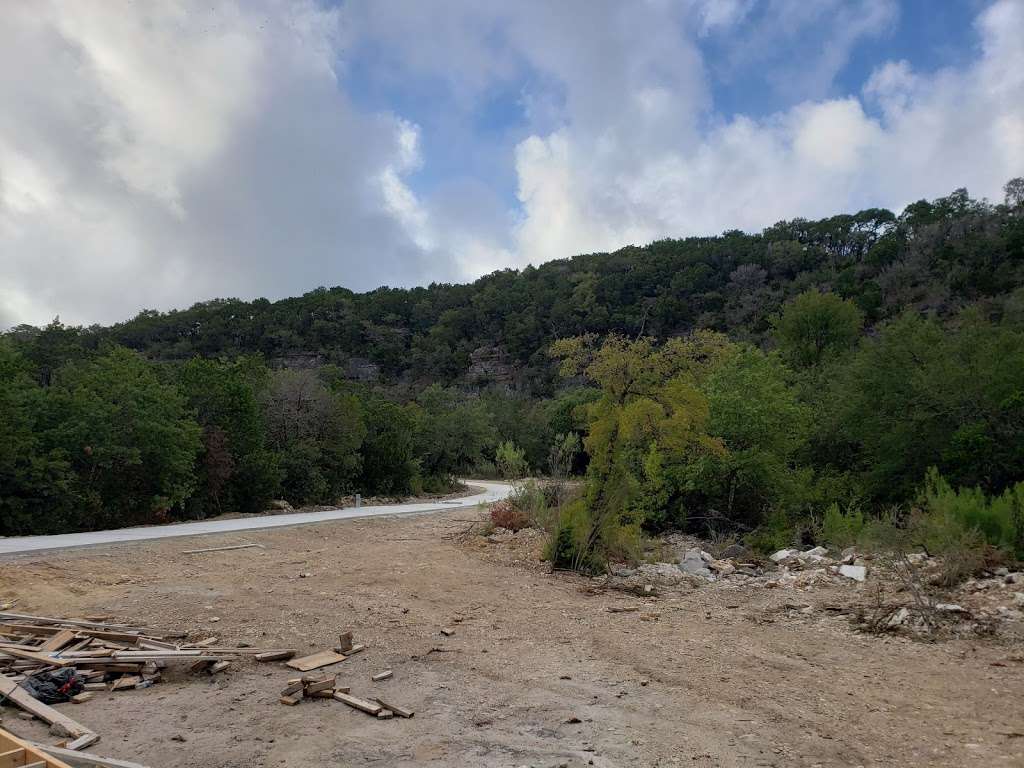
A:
[(768, 665)]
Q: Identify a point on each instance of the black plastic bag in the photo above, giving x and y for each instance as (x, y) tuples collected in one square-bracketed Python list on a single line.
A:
[(54, 687)]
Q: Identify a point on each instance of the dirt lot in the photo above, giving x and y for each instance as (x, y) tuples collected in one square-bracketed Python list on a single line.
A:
[(538, 672)]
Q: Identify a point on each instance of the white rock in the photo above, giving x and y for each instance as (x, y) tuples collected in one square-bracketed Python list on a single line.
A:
[(783, 554), (816, 552), (855, 572), (707, 557), (899, 618), (916, 558), (950, 608)]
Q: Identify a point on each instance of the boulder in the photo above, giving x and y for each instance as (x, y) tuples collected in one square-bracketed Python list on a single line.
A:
[(855, 572), (816, 552), (784, 554), (692, 563)]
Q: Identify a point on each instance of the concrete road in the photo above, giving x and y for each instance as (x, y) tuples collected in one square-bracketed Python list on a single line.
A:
[(14, 545)]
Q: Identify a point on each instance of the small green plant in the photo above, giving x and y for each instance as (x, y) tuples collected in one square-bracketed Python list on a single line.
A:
[(510, 460), (775, 532), (842, 529), (948, 513)]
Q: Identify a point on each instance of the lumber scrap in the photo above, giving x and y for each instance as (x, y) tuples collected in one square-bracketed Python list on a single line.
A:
[(58, 640), (36, 656), (387, 674), (400, 711), (42, 629), (24, 700), (368, 707), (17, 752), (274, 655), (221, 549), (67, 622), (85, 759), (315, 661)]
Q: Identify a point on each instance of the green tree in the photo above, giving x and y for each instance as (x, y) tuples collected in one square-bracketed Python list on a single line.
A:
[(816, 325), (128, 438), (389, 463)]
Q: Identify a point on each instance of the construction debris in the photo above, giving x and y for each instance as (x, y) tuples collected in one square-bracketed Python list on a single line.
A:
[(315, 661), (15, 752), (385, 675), (44, 659), (221, 549)]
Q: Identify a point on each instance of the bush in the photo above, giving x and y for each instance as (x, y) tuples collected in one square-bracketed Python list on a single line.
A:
[(567, 545), (775, 533), (948, 514), (510, 460), (505, 515), (842, 529)]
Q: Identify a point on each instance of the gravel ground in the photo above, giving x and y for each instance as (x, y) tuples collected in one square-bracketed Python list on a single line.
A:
[(538, 671)]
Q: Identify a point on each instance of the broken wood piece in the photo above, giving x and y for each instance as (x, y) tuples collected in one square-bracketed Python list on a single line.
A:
[(385, 714), (358, 648), (290, 701), (81, 698), (623, 608), (25, 701), (345, 642), (315, 661), (128, 682), (41, 658), (83, 741), (274, 655), (221, 549), (365, 706), (400, 711), (292, 688), (320, 685), (16, 752), (447, 631), (200, 665), (68, 622), (385, 675), (219, 666), (85, 759), (58, 640)]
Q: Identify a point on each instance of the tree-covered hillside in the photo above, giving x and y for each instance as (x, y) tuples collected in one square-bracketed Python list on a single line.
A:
[(814, 377), (934, 257)]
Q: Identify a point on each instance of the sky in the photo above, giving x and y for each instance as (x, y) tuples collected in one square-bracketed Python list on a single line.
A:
[(157, 154)]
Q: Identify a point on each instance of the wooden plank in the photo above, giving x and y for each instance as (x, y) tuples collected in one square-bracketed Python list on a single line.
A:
[(400, 711), (315, 661), (32, 629), (274, 655), (361, 704), (221, 549), (23, 699), (387, 674), (67, 622), (58, 640), (36, 656), (85, 759)]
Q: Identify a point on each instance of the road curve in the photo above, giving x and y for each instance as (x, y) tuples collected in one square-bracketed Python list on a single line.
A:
[(14, 545)]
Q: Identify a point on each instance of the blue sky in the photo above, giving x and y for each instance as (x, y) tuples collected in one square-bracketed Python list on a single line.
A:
[(188, 150)]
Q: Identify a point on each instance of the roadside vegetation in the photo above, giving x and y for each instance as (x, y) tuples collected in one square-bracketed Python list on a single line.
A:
[(857, 381)]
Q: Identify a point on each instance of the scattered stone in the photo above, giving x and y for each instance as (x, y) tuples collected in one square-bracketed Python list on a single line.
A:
[(816, 552), (899, 618), (784, 554), (447, 631), (855, 572), (693, 563), (950, 608)]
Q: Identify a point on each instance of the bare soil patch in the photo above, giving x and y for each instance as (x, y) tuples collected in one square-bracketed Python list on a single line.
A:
[(538, 672)]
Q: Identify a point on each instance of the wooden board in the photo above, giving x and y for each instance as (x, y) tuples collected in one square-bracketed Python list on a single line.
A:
[(58, 640), (85, 759), (315, 661), (36, 656), (15, 752), (356, 703), (23, 699)]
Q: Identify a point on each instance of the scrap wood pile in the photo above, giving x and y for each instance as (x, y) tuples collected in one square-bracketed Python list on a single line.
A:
[(45, 661), (330, 686)]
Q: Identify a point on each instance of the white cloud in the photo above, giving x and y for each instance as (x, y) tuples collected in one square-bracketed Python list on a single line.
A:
[(154, 154)]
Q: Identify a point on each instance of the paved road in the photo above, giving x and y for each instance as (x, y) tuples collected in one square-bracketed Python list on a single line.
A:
[(493, 492)]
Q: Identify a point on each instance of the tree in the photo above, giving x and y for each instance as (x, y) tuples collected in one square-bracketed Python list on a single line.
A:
[(1014, 192), (389, 462), (452, 435), (128, 438), (235, 470), (816, 325)]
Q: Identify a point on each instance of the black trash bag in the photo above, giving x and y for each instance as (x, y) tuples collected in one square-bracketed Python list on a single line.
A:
[(54, 687)]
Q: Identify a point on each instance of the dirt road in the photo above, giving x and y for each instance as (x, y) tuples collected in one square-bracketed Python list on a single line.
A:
[(538, 671), (492, 491)]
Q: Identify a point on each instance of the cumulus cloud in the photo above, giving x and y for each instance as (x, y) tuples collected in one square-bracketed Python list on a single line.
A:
[(153, 154)]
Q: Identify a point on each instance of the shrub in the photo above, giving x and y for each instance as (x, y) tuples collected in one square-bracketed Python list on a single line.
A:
[(949, 513), (504, 514), (775, 533), (510, 460), (842, 529)]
